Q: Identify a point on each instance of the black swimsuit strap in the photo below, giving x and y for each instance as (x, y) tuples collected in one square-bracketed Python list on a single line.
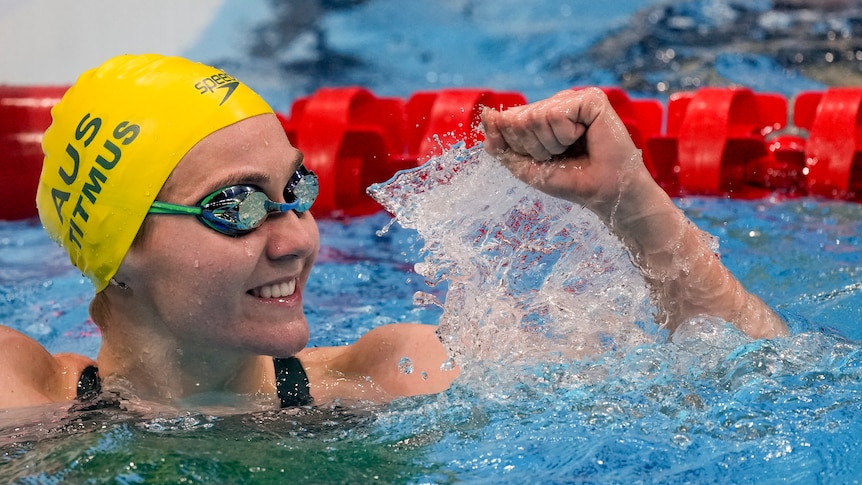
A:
[(89, 384), (292, 382)]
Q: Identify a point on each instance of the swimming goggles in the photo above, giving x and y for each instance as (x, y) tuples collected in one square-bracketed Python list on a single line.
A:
[(239, 209)]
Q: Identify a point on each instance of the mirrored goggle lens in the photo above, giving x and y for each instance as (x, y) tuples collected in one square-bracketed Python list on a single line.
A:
[(239, 209), (234, 210), (302, 189)]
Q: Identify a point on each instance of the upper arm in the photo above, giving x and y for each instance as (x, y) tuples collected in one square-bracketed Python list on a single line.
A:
[(30, 375), (387, 362)]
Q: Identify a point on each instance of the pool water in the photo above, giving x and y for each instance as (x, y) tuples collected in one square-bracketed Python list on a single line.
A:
[(710, 406)]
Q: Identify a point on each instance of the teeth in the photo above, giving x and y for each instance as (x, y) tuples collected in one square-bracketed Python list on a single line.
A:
[(278, 290)]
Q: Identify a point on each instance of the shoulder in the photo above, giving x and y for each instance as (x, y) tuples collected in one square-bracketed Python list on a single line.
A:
[(387, 362), (30, 375)]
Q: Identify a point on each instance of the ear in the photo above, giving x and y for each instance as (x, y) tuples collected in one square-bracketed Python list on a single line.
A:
[(123, 282), (100, 308)]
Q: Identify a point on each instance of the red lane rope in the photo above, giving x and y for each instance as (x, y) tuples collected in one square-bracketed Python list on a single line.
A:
[(723, 142)]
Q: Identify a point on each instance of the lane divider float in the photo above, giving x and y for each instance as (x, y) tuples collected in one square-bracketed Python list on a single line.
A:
[(722, 142)]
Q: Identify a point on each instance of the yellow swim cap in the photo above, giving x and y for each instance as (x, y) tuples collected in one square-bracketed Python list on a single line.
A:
[(115, 137)]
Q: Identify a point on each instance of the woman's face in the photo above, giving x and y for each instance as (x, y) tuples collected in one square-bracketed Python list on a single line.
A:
[(214, 291)]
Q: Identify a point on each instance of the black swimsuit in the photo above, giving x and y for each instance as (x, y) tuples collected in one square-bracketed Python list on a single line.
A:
[(291, 382)]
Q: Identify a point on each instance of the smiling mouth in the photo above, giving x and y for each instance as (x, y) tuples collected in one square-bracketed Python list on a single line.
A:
[(277, 290)]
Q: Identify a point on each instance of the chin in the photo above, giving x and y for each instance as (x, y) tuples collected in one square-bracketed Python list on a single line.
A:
[(286, 342)]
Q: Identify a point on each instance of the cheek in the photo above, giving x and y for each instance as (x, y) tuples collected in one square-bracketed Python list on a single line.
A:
[(180, 260), (206, 273), (314, 232), (199, 294)]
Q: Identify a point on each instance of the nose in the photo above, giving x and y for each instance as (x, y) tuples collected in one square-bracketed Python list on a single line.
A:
[(291, 235)]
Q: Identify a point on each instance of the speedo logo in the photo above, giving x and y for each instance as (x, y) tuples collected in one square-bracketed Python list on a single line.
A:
[(222, 82)]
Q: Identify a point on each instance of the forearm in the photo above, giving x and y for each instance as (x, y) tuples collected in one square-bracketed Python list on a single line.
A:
[(679, 262), (574, 146)]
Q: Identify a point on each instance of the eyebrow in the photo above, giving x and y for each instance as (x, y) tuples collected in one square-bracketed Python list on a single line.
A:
[(258, 178), (240, 178)]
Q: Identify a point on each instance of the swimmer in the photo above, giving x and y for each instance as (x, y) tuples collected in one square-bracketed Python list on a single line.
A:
[(175, 190)]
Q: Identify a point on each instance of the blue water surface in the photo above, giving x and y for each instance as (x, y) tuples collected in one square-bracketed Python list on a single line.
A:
[(719, 408), (710, 407)]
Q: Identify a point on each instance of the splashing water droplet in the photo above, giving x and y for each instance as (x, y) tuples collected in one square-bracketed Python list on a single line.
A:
[(405, 365), (382, 231), (448, 365), (421, 298)]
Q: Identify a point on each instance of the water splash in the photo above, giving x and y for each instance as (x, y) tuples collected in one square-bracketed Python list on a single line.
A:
[(533, 280), (530, 277)]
